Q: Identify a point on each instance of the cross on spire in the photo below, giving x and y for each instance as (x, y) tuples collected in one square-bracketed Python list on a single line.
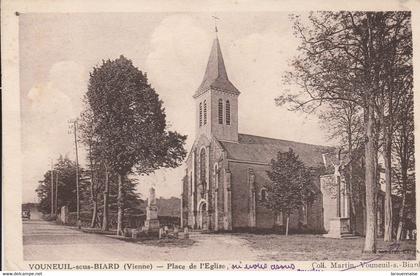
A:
[(215, 22)]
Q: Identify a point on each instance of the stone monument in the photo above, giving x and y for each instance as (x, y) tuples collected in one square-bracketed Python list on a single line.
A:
[(152, 222), (340, 225), (64, 215)]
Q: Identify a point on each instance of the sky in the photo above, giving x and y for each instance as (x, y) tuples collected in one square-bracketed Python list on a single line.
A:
[(58, 50)]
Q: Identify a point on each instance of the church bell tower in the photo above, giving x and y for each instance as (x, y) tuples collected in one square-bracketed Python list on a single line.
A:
[(216, 100)]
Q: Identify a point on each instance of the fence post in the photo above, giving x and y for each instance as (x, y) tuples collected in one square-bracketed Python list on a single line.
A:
[(134, 234), (176, 231)]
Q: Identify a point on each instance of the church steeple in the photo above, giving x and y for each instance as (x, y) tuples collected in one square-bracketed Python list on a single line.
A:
[(217, 100), (215, 76)]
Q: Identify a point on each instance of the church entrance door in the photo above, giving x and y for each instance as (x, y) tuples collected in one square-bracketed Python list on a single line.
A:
[(202, 217)]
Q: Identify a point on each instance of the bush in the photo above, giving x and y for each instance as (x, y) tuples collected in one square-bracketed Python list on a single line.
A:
[(85, 218), (49, 217), (169, 221)]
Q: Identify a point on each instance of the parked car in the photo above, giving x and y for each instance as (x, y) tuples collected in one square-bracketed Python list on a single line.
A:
[(26, 214)]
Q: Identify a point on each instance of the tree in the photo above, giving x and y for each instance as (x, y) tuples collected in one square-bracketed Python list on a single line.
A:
[(290, 185), (99, 166), (130, 123), (342, 59), (397, 80), (131, 204), (44, 193), (344, 122), (95, 163), (65, 170), (403, 146)]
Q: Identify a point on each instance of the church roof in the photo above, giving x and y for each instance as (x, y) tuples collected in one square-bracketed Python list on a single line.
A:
[(259, 149), (215, 76)]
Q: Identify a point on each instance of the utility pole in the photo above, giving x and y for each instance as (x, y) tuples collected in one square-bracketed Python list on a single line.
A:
[(77, 173), (74, 122), (52, 188), (56, 190)]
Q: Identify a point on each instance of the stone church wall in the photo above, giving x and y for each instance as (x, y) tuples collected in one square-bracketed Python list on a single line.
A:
[(329, 199), (221, 198), (360, 221), (240, 194), (315, 215), (217, 185), (265, 218)]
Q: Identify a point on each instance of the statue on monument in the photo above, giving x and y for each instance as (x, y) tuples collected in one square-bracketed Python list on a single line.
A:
[(340, 225), (152, 197), (152, 221)]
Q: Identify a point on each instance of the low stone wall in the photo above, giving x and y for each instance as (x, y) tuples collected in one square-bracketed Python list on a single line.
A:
[(129, 221)]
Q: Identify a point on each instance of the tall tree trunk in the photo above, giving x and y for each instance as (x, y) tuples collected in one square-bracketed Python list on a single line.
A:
[(404, 179), (377, 186), (120, 202), (349, 180), (401, 215), (105, 226), (388, 197), (93, 196), (287, 224), (94, 213), (350, 184), (370, 180)]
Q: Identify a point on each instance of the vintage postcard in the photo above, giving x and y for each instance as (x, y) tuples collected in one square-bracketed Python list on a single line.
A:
[(220, 135)]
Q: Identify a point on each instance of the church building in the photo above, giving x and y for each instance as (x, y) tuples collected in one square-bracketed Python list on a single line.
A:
[(223, 189)]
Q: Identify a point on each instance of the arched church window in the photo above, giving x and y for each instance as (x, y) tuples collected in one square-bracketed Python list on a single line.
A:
[(227, 112), (203, 168), (216, 175), (263, 194), (220, 111), (205, 113), (191, 183), (201, 114)]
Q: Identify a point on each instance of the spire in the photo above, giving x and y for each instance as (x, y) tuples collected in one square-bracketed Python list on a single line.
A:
[(215, 23), (215, 76), (216, 65)]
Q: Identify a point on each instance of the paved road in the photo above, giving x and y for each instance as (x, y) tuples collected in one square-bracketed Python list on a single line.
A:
[(46, 241)]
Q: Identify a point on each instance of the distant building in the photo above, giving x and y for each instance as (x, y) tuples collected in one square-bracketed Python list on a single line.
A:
[(223, 186)]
